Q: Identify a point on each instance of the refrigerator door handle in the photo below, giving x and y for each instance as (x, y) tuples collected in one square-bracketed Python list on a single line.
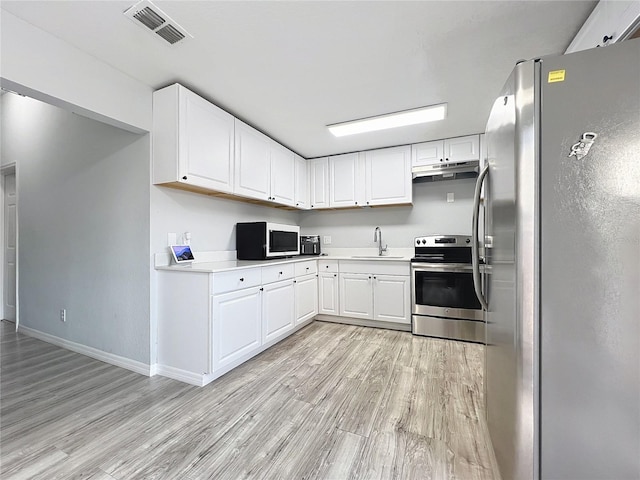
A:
[(475, 255)]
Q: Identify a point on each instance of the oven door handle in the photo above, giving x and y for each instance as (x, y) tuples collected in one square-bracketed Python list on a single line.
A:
[(475, 254)]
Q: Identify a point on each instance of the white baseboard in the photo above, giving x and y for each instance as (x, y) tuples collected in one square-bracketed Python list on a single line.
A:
[(199, 380), (103, 356)]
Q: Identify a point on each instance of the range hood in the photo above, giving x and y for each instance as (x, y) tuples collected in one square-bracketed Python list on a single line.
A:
[(445, 171)]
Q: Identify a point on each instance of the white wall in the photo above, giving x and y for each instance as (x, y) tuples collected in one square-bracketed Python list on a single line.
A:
[(83, 226), (210, 220), (37, 64), (429, 215)]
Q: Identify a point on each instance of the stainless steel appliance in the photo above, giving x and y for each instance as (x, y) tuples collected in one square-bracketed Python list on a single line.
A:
[(262, 240), (562, 249), (443, 300), (309, 244)]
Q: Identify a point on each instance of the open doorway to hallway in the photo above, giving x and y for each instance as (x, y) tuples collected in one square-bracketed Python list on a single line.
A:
[(9, 243)]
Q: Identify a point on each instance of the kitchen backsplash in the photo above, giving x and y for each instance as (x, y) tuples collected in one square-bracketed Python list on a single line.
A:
[(430, 214)]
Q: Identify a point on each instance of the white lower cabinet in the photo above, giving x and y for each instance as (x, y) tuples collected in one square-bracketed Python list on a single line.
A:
[(377, 291), (209, 323), (278, 310), (237, 325), (306, 298), (328, 293), (390, 298), (356, 294)]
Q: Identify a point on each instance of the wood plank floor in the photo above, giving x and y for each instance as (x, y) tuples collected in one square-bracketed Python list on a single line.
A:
[(330, 402)]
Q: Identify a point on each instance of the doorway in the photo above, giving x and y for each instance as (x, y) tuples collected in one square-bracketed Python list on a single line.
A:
[(9, 244)]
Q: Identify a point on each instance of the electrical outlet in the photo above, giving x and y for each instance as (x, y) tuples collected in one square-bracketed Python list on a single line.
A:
[(327, 240), (172, 238), (450, 197), (63, 315)]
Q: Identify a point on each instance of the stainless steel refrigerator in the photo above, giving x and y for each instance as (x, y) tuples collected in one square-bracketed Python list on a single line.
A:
[(562, 280)]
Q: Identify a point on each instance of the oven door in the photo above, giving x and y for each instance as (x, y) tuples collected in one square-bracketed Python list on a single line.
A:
[(444, 290)]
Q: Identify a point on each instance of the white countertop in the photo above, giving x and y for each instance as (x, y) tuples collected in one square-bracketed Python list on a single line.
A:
[(363, 255)]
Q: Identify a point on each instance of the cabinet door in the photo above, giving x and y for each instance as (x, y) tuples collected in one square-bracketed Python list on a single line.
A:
[(345, 178), (252, 162), (391, 301), (609, 22), (237, 325), (356, 295), (427, 153), (388, 176), (306, 290), (283, 168), (319, 182), (302, 183), (328, 293), (206, 143), (278, 310), (462, 149)]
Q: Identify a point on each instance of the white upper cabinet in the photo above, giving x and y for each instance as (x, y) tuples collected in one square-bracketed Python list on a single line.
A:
[(346, 180), (388, 176), (610, 22), (459, 149), (462, 149), (264, 169), (319, 182), (283, 176), (302, 183), (192, 141), (252, 162)]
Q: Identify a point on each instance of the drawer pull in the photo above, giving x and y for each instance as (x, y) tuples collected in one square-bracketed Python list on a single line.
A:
[(307, 268), (242, 279), (279, 273)]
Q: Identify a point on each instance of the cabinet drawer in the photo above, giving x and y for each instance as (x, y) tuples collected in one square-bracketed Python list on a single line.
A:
[(236, 280), (328, 266), (274, 273), (306, 268)]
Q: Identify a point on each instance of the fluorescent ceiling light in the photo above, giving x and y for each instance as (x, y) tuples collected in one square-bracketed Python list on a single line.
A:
[(390, 120)]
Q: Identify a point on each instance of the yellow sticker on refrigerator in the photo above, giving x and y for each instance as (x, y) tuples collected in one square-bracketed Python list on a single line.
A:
[(556, 76)]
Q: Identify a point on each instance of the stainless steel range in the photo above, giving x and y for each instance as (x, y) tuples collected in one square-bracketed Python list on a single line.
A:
[(443, 299)]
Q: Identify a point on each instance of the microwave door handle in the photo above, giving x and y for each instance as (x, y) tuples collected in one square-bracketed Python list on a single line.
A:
[(475, 254)]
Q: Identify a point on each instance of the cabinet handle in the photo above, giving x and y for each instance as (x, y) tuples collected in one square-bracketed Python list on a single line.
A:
[(356, 203), (279, 273), (307, 268), (261, 289), (606, 38), (335, 274), (374, 277), (446, 159), (184, 178), (295, 281), (242, 279), (369, 277), (367, 203), (440, 159)]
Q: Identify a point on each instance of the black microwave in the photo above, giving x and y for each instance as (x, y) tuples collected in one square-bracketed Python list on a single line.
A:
[(263, 240)]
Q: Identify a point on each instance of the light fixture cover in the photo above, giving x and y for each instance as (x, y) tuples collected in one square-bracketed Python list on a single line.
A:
[(390, 120)]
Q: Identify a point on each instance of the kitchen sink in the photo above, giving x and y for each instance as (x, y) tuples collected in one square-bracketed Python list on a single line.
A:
[(374, 256)]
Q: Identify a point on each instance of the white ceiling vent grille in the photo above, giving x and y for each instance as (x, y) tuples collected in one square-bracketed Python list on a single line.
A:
[(155, 21)]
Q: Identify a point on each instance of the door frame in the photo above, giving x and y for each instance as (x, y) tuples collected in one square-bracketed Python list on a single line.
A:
[(5, 170)]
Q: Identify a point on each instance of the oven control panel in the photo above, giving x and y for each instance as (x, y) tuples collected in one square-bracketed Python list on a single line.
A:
[(442, 241)]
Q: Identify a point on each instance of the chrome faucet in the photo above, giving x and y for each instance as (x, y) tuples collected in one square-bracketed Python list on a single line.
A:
[(377, 237)]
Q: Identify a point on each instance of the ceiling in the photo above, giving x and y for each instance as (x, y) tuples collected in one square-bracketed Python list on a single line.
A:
[(289, 68)]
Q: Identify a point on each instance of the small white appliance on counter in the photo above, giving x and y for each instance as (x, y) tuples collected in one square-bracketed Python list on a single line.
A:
[(264, 240)]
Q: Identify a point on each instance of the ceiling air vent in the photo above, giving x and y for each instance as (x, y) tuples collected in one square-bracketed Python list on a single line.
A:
[(155, 21)]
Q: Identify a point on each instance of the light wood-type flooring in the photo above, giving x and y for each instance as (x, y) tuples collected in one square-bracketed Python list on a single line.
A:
[(330, 402)]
